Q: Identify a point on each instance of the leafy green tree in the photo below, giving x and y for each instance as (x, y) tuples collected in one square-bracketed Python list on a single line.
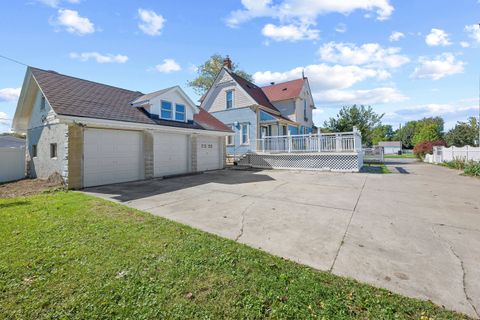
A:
[(464, 133), (208, 71), (428, 129), (382, 133), (405, 134), (362, 117)]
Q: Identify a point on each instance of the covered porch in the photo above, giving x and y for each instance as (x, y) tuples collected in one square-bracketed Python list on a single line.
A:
[(325, 151)]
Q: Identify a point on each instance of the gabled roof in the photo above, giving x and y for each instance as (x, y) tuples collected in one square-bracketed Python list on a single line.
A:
[(285, 90), (253, 91), (148, 96), (83, 98), (209, 122)]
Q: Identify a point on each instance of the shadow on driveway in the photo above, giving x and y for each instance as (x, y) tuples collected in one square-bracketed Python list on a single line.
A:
[(146, 188)]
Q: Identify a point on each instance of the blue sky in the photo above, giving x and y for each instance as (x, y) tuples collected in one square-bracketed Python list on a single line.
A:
[(408, 59)]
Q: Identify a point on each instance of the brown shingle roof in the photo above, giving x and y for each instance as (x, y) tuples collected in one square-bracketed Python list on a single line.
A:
[(254, 91), (285, 90), (83, 98)]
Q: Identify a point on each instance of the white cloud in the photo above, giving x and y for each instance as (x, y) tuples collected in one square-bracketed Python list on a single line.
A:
[(290, 32), (4, 119), (396, 36), (473, 31), (9, 94), (168, 65), (56, 3), (370, 54), (151, 22), (370, 96), (341, 28), (98, 57), (464, 44), (441, 66), (73, 22), (305, 10), (323, 76), (437, 37)]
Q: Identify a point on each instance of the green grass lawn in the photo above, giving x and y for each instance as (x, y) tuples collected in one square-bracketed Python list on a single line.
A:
[(402, 156), (65, 255)]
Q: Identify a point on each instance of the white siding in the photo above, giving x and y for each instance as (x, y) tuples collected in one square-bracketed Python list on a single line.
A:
[(209, 154), (305, 94), (12, 164), (217, 98), (112, 156), (171, 154)]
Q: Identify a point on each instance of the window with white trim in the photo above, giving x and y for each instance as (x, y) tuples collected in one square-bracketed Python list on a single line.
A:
[(231, 139), (244, 133), (180, 112), (166, 110), (229, 99)]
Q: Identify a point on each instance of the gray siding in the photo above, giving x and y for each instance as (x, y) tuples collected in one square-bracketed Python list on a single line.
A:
[(217, 99), (287, 108)]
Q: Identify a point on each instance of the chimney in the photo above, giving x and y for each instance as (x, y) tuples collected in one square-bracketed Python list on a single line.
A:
[(272, 83), (227, 63)]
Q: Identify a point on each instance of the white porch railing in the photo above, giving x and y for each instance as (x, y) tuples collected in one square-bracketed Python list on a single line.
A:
[(324, 142)]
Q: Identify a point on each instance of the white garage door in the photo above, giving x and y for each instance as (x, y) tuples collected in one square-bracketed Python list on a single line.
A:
[(112, 156), (208, 153), (170, 154)]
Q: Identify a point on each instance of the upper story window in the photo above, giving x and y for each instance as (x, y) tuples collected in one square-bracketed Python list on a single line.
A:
[(229, 99), (166, 110), (179, 112), (305, 109), (42, 103)]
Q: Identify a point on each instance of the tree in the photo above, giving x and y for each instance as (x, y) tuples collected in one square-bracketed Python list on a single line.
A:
[(463, 134), (428, 129), (405, 134), (364, 118), (382, 133), (208, 71)]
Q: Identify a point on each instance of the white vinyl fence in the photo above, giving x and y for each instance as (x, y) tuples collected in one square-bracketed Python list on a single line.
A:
[(12, 164), (442, 154)]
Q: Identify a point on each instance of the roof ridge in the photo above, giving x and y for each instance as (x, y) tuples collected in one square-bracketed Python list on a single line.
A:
[(279, 83), (86, 80)]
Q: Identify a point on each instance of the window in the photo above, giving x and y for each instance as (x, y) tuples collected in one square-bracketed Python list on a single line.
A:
[(305, 109), (229, 99), (166, 110), (244, 139), (179, 112), (231, 139), (53, 150), (42, 103), (34, 150)]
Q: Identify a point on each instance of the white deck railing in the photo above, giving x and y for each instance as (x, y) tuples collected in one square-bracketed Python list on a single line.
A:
[(324, 142)]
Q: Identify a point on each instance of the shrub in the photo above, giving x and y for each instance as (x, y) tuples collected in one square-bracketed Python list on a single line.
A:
[(458, 164), (426, 147), (472, 168)]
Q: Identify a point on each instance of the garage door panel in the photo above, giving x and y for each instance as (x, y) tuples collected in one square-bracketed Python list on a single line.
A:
[(112, 156), (171, 154), (208, 153)]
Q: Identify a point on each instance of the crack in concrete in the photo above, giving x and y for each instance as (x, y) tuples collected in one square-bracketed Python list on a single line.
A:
[(348, 225), (242, 226), (464, 273)]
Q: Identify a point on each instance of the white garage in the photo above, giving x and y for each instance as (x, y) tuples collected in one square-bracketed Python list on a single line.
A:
[(112, 156), (209, 155), (171, 154)]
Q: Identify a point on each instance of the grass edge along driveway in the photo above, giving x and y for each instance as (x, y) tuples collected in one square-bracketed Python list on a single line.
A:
[(68, 255)]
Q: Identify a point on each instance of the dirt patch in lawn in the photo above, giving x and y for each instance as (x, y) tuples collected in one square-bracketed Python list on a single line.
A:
[(28, 187)]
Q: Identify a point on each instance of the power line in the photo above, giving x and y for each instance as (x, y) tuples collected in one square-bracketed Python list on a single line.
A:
[(13, 60)]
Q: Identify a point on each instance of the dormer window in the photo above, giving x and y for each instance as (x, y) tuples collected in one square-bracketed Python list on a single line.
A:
[(166, 110), (180, 112), (229, 99)]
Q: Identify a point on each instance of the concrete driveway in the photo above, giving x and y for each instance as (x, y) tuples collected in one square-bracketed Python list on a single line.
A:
[(415, 232)]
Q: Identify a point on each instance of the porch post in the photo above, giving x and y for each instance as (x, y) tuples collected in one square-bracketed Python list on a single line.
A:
[(289, 142), (263, 143), (338, 142)]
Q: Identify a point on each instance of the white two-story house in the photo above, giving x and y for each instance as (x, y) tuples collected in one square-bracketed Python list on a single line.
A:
[(254, 112)]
